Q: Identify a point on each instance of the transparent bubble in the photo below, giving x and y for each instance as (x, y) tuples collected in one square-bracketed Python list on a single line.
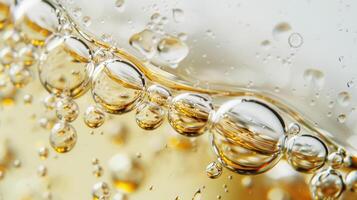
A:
[(36, 19), (67, 109), (351, 181), (27, 56), (306, 153), (214, 170), (119, 4), (101, 191), (149, 116), (248, 136), (7, 56), (63, 137), (49, 102), (65, 67), (336, 159), (172, 50), (144, 42), (7, 88), (315, 77), (125, 172), (19, 75), (120, 196), (344, 98), (118, 86), (43, 153), (295, 40), (41, 170), (94, 117), (178, 15), (294, 129), (158, 94), (189, 113), (327, 184)]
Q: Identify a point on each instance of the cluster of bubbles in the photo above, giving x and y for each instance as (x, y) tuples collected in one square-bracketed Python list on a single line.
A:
[(248, 135)]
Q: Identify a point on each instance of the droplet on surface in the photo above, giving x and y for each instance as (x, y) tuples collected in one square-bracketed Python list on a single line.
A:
[(118, 86), (66, 66), (63, 137), (144, 42), (280, 29), (67, 109), (172, 50), (247, 136), (94, 117), (344, 98), (306, 153), (178, 15), (189, 114), (149, 116), (327, 184), (41, 170), (214, 170), (342, 118), (315, 77), (120, 4)]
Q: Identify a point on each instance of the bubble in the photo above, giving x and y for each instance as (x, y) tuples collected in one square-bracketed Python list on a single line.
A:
[(314, 77), (41, 171), (7, 88), (144, 42), (178, 15), (126, 173), (158, 94), (28, 98), (336, 159), (49, 102), (27, 56), (351, 181), (306, 153), (43, 153), (67, 109), (265, 44), (65, 66), (214, 170), (327, 184), (37, 20), (247, 136), (94, 117), (197, 195), (344, 98), (101, 191), (87, 21), (118, 86), (294, 129), (149, 116), (97, 171), (120, 196), (280, 29), (7, 56), (63, 137), (119, 4), (19, 75), (189, 113), (156, 17), (172, 50), (341, 118), (295, 40)]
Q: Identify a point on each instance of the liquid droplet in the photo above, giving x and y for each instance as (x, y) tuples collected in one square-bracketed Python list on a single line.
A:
[(63, 137), (189, 113), (344, 98), (19, 75), (314, 77), (172, 50), (178, 15), (119, 4), (336, 159), (158, 94), (294, 129), (280, 30), (342, 118), (144, 42)]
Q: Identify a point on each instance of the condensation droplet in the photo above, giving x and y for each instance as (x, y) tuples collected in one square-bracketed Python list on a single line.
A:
[(144, 42), (43, 153), (120, 4), (281, 29), (344, 98), (314, 77), (341, 118)]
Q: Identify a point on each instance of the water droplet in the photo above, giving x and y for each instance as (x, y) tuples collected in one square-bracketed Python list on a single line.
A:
[(214, 170), (101, 191), (178, 15), (94, 117), (189, 113), (149, 116), (280, 29), (265, 44), (28, 98), (172, 50), (156, 18), (67, 109), (66, 66), (248, 136), (49, 102), (306, 153), (344, 98), (158, 94), (63, 137), (125, 172), (351, 181), (350, 84), (342, 118), (197, 195), (118, 86), (314, 77), (120, 196), (327, 184), (119, 4), (295, 40), (145, 42)]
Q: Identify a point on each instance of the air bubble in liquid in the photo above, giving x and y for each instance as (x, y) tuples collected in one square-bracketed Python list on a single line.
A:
[(19, 75), (66, 66), (149, 116), (214, 170), (36, 19), (295, 40), (172, 50), (63, 137), (327, 184), (247, 136), (306, 153), (351, 181), (294, 129), (94, 117), (101, 191), (158, 94), (189, 114), (336, 159), (144, 42), (118, 86), (67, 109), (125, 172)]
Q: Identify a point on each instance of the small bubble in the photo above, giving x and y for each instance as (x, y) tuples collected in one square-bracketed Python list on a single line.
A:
[(342, 118), (327, 184), (17, 163), (119, 4), (214, 170), (295, 40), (28, 98), (344, 98), (97, 170), (94, 117), (294, 129), (63, 137), (87, 21), (41, 171), (43, 153), (172, 50), (351, 181), (178, 15), (67, 109), (101, 191)]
